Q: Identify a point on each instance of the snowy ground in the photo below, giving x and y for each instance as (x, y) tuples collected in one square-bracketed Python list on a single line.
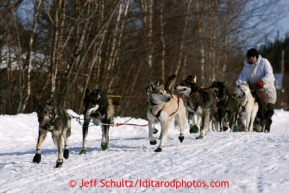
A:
[(232, 162)]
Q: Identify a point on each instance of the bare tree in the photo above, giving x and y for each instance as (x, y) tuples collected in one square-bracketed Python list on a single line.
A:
[(29, 58)]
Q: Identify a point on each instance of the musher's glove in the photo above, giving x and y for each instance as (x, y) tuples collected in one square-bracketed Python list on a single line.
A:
[(260, 84)]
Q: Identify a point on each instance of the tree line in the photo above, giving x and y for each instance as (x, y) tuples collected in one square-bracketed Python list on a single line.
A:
[(59, 48)]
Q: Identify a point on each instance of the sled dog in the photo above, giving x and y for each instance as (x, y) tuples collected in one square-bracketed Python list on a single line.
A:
[(194, 115), (248, 104), (163, 107), (56, 120), (228, 107), (200, 101), (261, 119), (99, 109)]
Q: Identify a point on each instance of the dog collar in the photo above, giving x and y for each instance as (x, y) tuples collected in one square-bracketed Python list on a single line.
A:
[(158, 113), (151, 103), (46, 126), (193, 94)]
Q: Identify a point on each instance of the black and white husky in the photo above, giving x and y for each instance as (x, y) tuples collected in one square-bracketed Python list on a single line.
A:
[(56, 120), (194, 114), (100, 109), (163, 107)]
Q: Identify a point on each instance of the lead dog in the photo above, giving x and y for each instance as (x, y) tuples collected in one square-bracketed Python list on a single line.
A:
[(54, 119), (249, 105), (100, 109), (198, 98), (163, 107)]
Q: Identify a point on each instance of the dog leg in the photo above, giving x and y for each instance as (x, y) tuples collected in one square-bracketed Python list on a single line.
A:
[(245, 120), (65, 137), (235, 122), (181, 122), (155, 131), (41, 138), (268, 117), (165, 128), (197, 126), (253, 115), (226, 125), (105, 137), (58, 142), (191, 119), (66, 151), (150, 136), (84, 135), (203, 129)]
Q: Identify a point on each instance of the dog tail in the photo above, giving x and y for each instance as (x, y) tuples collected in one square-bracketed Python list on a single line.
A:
[(170, 83), (110, 109)]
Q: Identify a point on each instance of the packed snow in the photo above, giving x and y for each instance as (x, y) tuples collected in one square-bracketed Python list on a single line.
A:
[(221, 162)]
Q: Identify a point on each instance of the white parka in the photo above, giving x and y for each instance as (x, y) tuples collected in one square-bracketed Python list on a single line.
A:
[(260, 70)]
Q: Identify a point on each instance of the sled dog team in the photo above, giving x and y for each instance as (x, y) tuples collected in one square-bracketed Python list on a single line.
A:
[(200, 107)]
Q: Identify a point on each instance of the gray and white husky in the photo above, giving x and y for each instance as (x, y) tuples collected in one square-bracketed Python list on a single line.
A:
[(56, 120), (200, 101)]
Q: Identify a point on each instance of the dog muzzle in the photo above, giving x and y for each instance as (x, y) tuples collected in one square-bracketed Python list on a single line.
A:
[(92, 110), (158, 99)]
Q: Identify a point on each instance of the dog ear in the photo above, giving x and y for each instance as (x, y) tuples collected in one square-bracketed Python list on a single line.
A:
[(190, 77), (194, 79), (148, 88), (50, 101), (161, 87), (159, 82), (98, 97), (86, 91), (225, 83)]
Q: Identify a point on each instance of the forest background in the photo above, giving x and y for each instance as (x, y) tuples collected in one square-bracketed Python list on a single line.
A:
[(59, 48)]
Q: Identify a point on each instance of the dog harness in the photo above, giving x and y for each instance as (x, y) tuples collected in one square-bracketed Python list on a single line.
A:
[(159, 112), (197, 103), (223, 106)]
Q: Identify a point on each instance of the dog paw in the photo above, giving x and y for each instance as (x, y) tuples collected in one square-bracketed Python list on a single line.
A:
[(158, 149), (236, 128), (194, 129), (181, 138), (59, 163), (83, 151), (200, 137), (155, 131), (37, 158), (104, 146), (153, 142), (66, 153)]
